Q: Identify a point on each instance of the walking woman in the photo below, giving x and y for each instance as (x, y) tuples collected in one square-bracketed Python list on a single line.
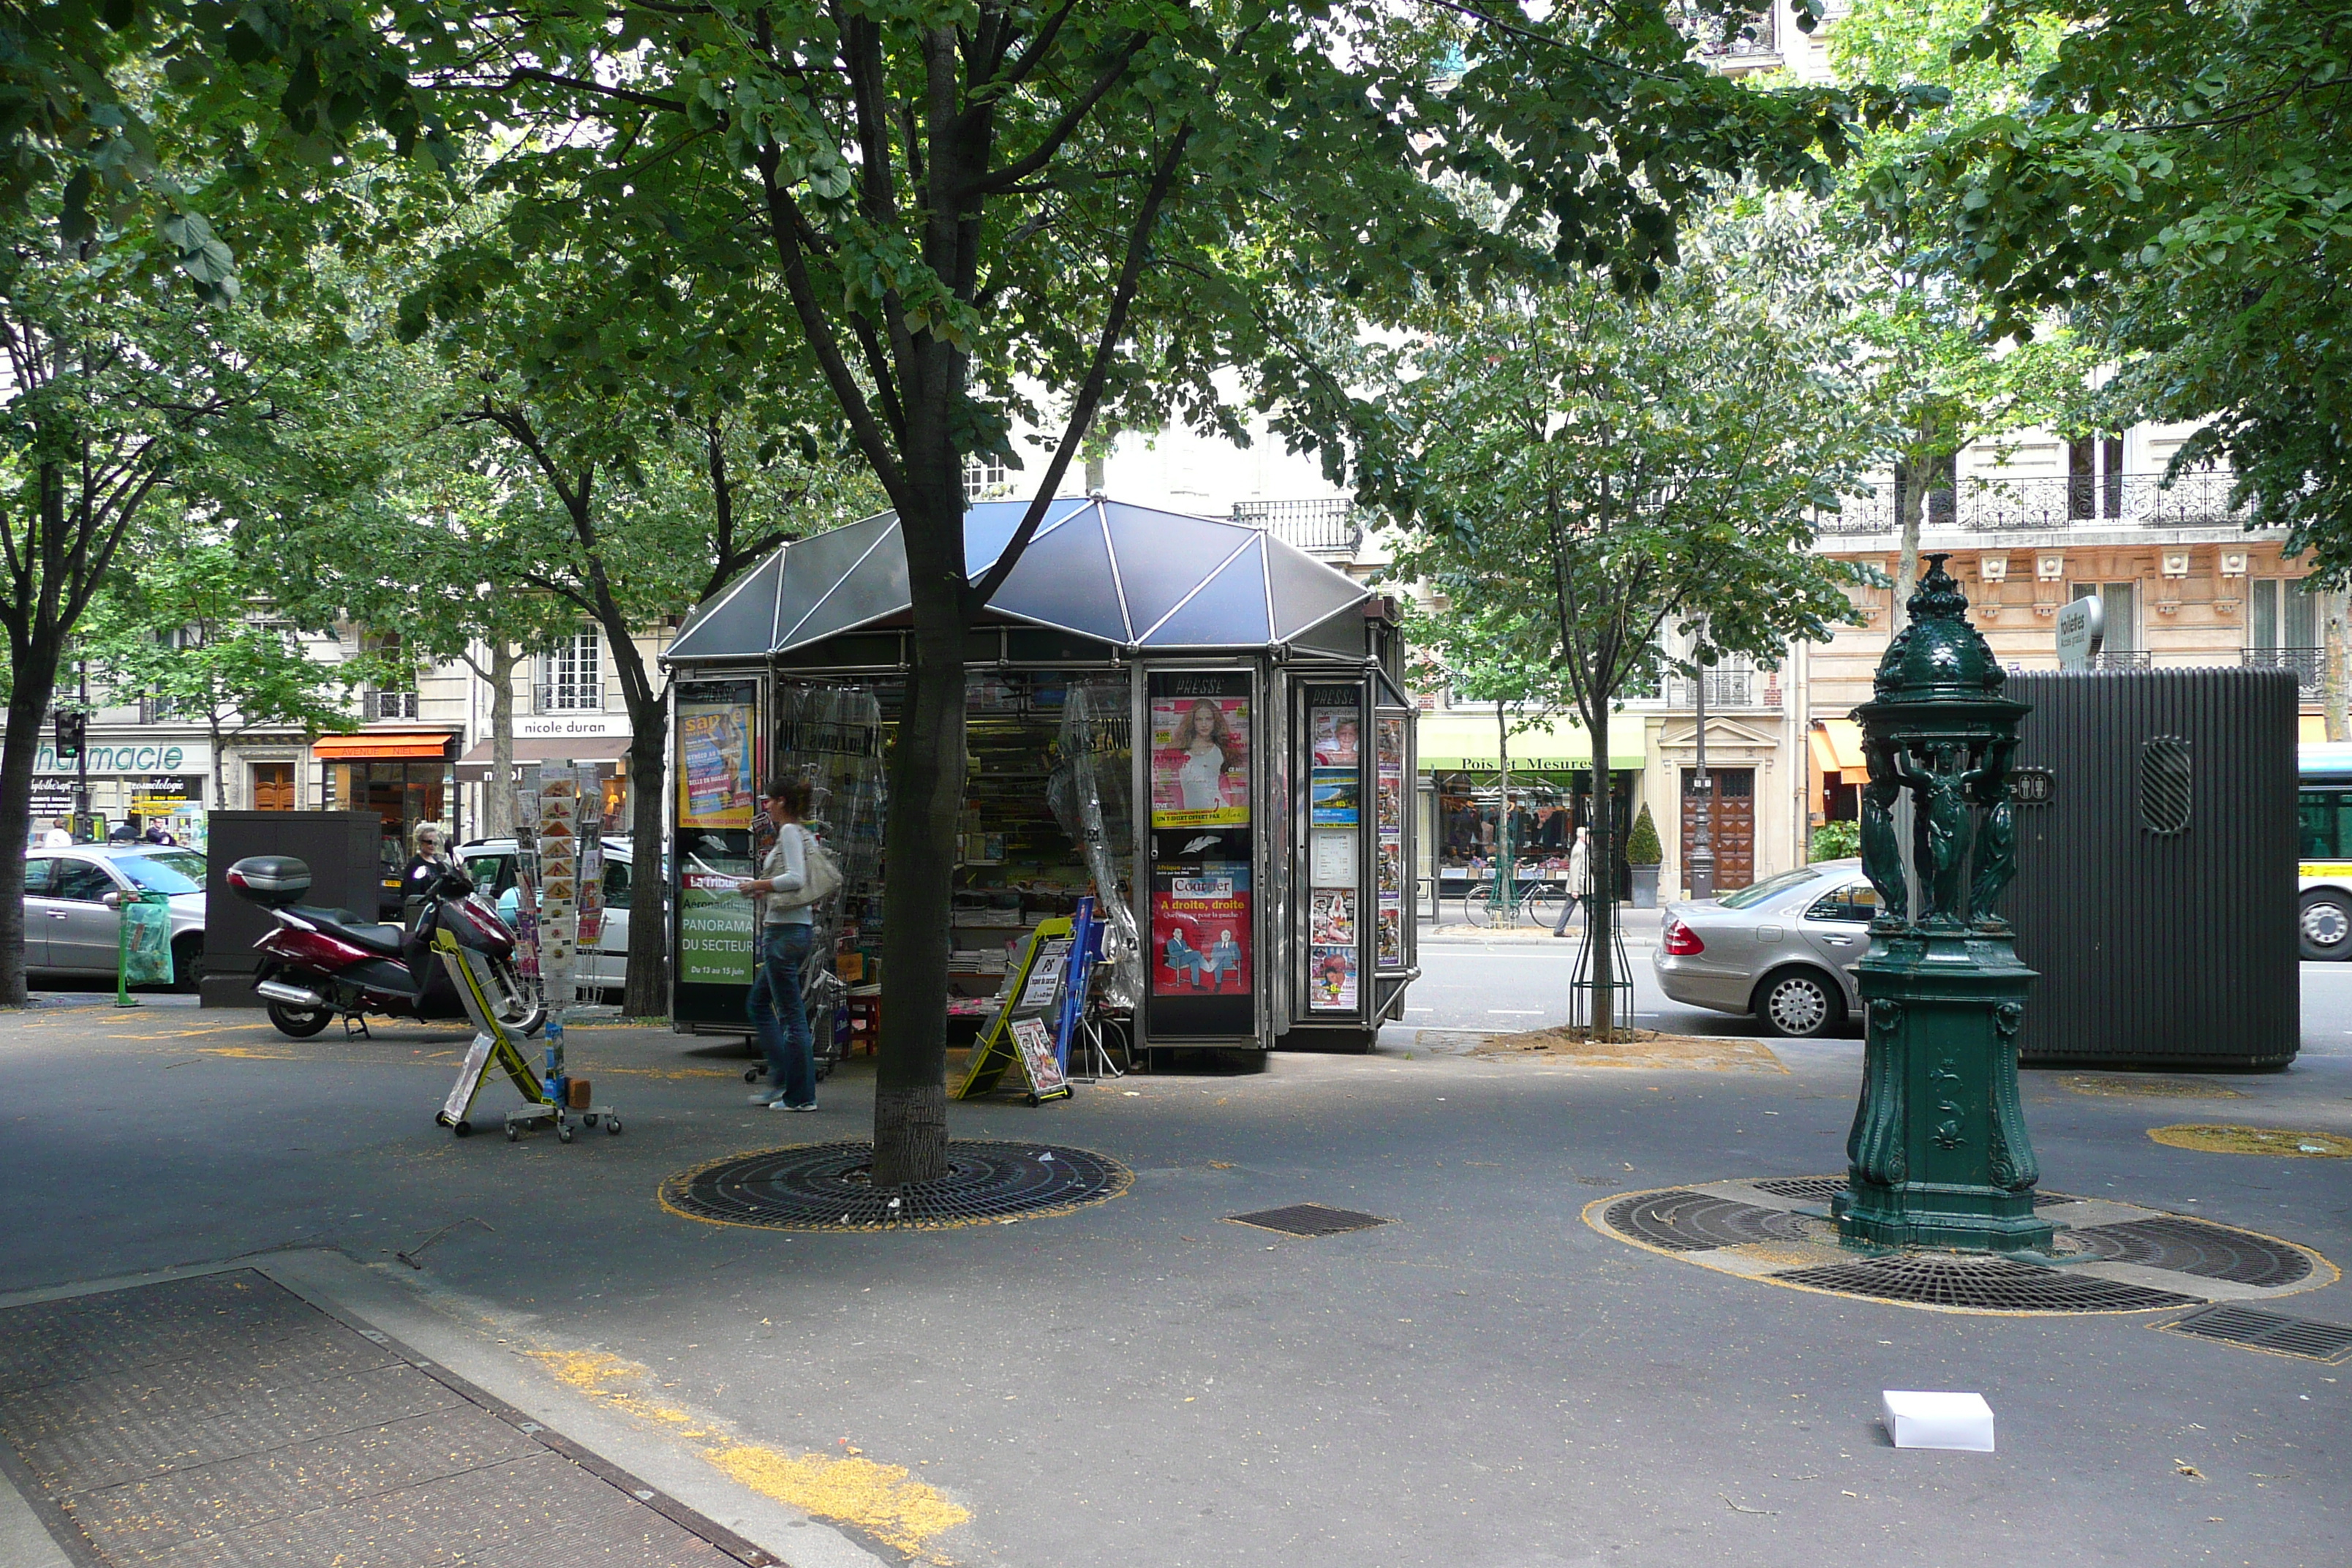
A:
[(777, 1010), (1580, 882)]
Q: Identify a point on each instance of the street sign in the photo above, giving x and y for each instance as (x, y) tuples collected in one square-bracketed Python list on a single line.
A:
[(2082, 628)]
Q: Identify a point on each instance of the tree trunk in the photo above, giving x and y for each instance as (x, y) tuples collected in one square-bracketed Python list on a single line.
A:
[(927, 786), (2333, 691), (1601, 916), (498, 797), (647, 993), (28, 709)]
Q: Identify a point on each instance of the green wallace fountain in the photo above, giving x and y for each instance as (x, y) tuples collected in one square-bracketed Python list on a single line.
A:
[(1938, 1155)]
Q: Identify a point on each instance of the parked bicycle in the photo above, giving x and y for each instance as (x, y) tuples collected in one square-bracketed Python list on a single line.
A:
[(1535, 902)]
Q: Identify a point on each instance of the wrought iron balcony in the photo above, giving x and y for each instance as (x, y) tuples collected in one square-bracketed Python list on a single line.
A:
[(388, 704), (1728, 687), (1332, 528), (2052, 502), (2309, 664), (569, 697)]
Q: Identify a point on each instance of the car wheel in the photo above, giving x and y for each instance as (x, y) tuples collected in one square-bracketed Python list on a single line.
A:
[(2324, 928), (1799, 1004), (187, 964)]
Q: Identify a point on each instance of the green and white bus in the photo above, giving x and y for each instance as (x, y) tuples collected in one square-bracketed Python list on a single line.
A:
[(2323, 825)]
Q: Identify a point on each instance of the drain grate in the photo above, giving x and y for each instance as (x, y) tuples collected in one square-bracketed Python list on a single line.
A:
[(1308, 1219), (1981, 1285), (1683, 1221), (1821, 1189), (2276, 1331), (827, 1186), (2192, 1247)]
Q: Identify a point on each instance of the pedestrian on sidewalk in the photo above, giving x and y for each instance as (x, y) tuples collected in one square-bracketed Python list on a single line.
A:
[(785, 934), (1580, 882)]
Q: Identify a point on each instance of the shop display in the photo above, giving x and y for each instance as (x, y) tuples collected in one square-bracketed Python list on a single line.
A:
[(1201, 923), (1331, 979), (1199, 755), (1335, 736), (1334, 793), (1389, 820)]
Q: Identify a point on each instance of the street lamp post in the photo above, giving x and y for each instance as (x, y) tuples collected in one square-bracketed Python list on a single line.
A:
[(1938, 1155), (1702, 855)]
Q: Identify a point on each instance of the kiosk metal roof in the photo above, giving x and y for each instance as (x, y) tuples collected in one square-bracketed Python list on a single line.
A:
[(1131, 576)]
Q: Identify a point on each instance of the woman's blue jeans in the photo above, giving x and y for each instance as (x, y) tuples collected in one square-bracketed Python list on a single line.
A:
[(781, 1016)]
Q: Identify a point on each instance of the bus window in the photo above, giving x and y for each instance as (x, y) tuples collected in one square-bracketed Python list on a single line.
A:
[(2319, 821)]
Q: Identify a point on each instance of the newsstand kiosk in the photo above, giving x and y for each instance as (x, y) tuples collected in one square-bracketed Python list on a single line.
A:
[(1198, 724)]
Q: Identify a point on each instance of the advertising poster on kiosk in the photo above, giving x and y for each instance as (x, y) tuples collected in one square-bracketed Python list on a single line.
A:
[(1203, 938), (1390, 809), (1200, 927), (1200, 759), (714, 781)]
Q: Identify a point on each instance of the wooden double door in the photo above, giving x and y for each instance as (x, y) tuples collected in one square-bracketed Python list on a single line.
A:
[(1730, 797)]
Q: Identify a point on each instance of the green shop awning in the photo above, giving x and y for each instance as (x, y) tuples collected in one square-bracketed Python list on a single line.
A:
[(1465, 742)]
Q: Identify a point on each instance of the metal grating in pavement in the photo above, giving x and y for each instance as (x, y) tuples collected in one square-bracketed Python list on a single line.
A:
[(2275, 1331), (1821, 1189), (1981, 1285), (1683, 1221), (2193, 1246), (828, 1186), (222, 1421), (1308, 1219)]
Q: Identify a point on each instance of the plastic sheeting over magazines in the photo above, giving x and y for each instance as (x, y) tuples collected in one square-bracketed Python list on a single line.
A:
[(1130, 576)]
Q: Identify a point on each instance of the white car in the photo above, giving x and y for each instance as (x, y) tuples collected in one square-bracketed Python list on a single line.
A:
[(490, 862)]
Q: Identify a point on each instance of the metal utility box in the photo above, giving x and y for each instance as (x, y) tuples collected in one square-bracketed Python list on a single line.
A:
[(344, 850), (2155, 882)]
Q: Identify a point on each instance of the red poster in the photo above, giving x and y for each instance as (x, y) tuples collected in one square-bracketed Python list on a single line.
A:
[(1201, 930)]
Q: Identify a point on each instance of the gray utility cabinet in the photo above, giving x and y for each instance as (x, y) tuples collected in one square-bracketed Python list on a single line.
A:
[(344, 850), (2156, 881)]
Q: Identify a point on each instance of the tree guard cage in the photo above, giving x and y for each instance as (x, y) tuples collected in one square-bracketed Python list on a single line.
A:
[(1200, 724)]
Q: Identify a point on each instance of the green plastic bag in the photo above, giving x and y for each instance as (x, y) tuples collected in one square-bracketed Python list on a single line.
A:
[(147, 941)]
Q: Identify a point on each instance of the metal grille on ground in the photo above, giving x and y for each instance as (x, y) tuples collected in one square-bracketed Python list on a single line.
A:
[(1308, 1219), (1981, 1285), (2192, 1247), (1692, 1222), (2276, 1331), (828, 1186), (1821, 1189)]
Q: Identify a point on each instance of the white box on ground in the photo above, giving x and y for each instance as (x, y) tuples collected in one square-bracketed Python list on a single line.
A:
[(1917, 1419)]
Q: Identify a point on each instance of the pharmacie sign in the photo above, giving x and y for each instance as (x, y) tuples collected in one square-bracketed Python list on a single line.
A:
[(164, 758)]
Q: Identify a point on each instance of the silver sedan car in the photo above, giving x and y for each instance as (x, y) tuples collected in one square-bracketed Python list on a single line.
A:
[(1782, 949)]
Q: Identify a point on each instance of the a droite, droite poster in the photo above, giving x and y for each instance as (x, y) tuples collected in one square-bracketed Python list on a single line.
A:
[(1200, 929)]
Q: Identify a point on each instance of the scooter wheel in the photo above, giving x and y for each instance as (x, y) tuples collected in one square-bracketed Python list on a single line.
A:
[(464, 1130), (563, 1131)]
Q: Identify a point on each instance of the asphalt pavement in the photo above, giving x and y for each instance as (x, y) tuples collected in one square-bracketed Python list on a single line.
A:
[(1484, 1382)]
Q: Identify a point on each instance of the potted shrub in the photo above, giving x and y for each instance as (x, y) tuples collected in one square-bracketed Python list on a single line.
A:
[(1642, 857), (1836, 841)]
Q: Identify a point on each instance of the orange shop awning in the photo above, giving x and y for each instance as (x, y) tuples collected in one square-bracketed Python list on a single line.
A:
[(380, 748), (1837, 746)]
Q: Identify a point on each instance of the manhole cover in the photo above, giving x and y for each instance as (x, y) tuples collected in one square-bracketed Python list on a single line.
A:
[(1692, 1222), (2107, 1083), (2192, 1247), (1308, 1219), (2276, 1331), (2223, 1138), (1821, 1189), (1981, 1285), (825, 1186)]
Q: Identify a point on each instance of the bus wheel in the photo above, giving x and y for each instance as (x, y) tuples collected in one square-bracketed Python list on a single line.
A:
[(2324, 930)]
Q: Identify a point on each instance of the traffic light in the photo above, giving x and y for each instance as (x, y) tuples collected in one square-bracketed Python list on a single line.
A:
[(73, 729)]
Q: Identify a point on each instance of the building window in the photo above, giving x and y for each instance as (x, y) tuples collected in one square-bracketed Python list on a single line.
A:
[(2121, 602), (571, 675), (985, 476), (393, 693), (2094, 477)]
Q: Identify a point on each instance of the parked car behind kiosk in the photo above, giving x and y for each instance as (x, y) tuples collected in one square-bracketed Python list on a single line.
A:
[(70, 929)]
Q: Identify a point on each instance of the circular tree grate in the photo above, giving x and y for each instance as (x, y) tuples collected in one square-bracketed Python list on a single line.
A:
[(1981, 1285), (2192, 1247), (1821, 1189), (1692, 1222), (827, 1186)]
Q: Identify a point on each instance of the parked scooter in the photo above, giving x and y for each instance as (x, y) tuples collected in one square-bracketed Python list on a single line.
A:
[(319, 965)]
